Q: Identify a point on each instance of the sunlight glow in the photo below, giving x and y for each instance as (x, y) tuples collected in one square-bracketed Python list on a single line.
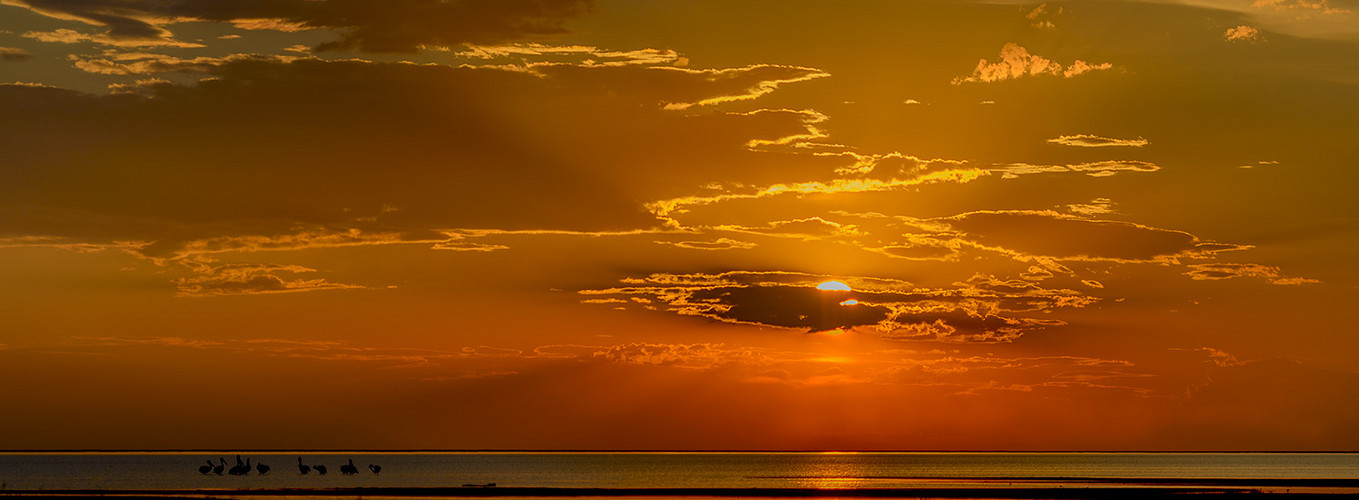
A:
[(850, 302), (833, 286)]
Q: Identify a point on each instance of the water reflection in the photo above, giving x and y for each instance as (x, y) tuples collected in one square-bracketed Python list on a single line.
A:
[(831, 471)]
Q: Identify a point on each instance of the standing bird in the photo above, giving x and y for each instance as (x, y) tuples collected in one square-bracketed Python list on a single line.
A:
[(220, 467), (375, 468), (349, 468), (205, 469), (320, 469), (264, 469), (240, 469), (302, 468)]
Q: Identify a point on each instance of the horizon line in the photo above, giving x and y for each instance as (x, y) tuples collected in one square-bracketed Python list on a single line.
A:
[(623, 450)]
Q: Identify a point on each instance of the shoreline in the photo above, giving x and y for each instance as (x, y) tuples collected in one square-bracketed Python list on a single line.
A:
[(1074, 491)]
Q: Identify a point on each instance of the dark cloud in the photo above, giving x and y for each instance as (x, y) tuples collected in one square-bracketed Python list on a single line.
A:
[(12, 54), (250, 279), (1226, 270), (266, 146), (983, 309), (387, 26), (791, 307)]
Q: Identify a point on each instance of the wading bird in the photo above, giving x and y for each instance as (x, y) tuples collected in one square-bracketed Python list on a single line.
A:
[(349, 468), (302, 468)]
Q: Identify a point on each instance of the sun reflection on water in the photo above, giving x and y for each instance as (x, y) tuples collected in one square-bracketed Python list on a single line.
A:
[(832, 470)]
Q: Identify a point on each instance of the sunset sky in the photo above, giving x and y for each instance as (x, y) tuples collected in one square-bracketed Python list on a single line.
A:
[(563, 224)]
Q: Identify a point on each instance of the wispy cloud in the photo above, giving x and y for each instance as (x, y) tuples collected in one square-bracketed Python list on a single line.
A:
[(718, 244), (1322, 6), (67, 35), (1037, 233), (1104, 168), (251, 279), (1095, 141), (1224, 270), (13, 54)]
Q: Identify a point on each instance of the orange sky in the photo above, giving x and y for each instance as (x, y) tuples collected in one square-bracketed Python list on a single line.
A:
[(567, 224)]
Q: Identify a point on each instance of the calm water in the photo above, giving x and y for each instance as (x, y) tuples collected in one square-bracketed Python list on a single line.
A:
[(643, 470)]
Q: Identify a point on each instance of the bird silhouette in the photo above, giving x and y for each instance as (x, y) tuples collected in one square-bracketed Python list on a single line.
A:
[(375, 468), (241, 468), (320, 469), (349, 468), (220, 467), (205, 469), (302, 468), (263, 469)]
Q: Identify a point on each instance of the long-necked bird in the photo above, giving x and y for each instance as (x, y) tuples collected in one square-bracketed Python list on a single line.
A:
[(375, 468), (302, 468), (205, 469)]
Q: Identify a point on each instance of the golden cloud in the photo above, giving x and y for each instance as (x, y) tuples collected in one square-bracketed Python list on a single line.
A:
[(251, 279), (1095, 141), (1244, 33), (1016, 62), (982, 309), (1223, 270), (719, 244)]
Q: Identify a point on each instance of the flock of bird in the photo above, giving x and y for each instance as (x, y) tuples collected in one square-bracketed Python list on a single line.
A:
[(243, 468)]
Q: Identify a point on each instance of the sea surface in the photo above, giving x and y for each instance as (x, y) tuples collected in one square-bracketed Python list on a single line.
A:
[(179, 471)]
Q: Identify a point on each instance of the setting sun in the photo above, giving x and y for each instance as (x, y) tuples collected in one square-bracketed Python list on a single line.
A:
[(833, 286)]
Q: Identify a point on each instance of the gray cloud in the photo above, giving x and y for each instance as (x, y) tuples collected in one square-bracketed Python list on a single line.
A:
[(387, 26), (981, 309), (12, 54)]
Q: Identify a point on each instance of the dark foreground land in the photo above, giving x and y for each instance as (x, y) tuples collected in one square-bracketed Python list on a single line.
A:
[(1074, 491)]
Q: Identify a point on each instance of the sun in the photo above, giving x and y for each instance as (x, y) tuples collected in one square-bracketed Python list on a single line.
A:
[(833, 286)]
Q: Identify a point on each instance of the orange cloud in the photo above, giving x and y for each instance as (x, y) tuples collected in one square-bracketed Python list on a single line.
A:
[(982, 309), (1095, 141), (1244, 33), (1016, 62), (67, 35), (250, 279), (1104, 168), (719, 244), (692, 356), (1097, 206), (1223, 270)]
